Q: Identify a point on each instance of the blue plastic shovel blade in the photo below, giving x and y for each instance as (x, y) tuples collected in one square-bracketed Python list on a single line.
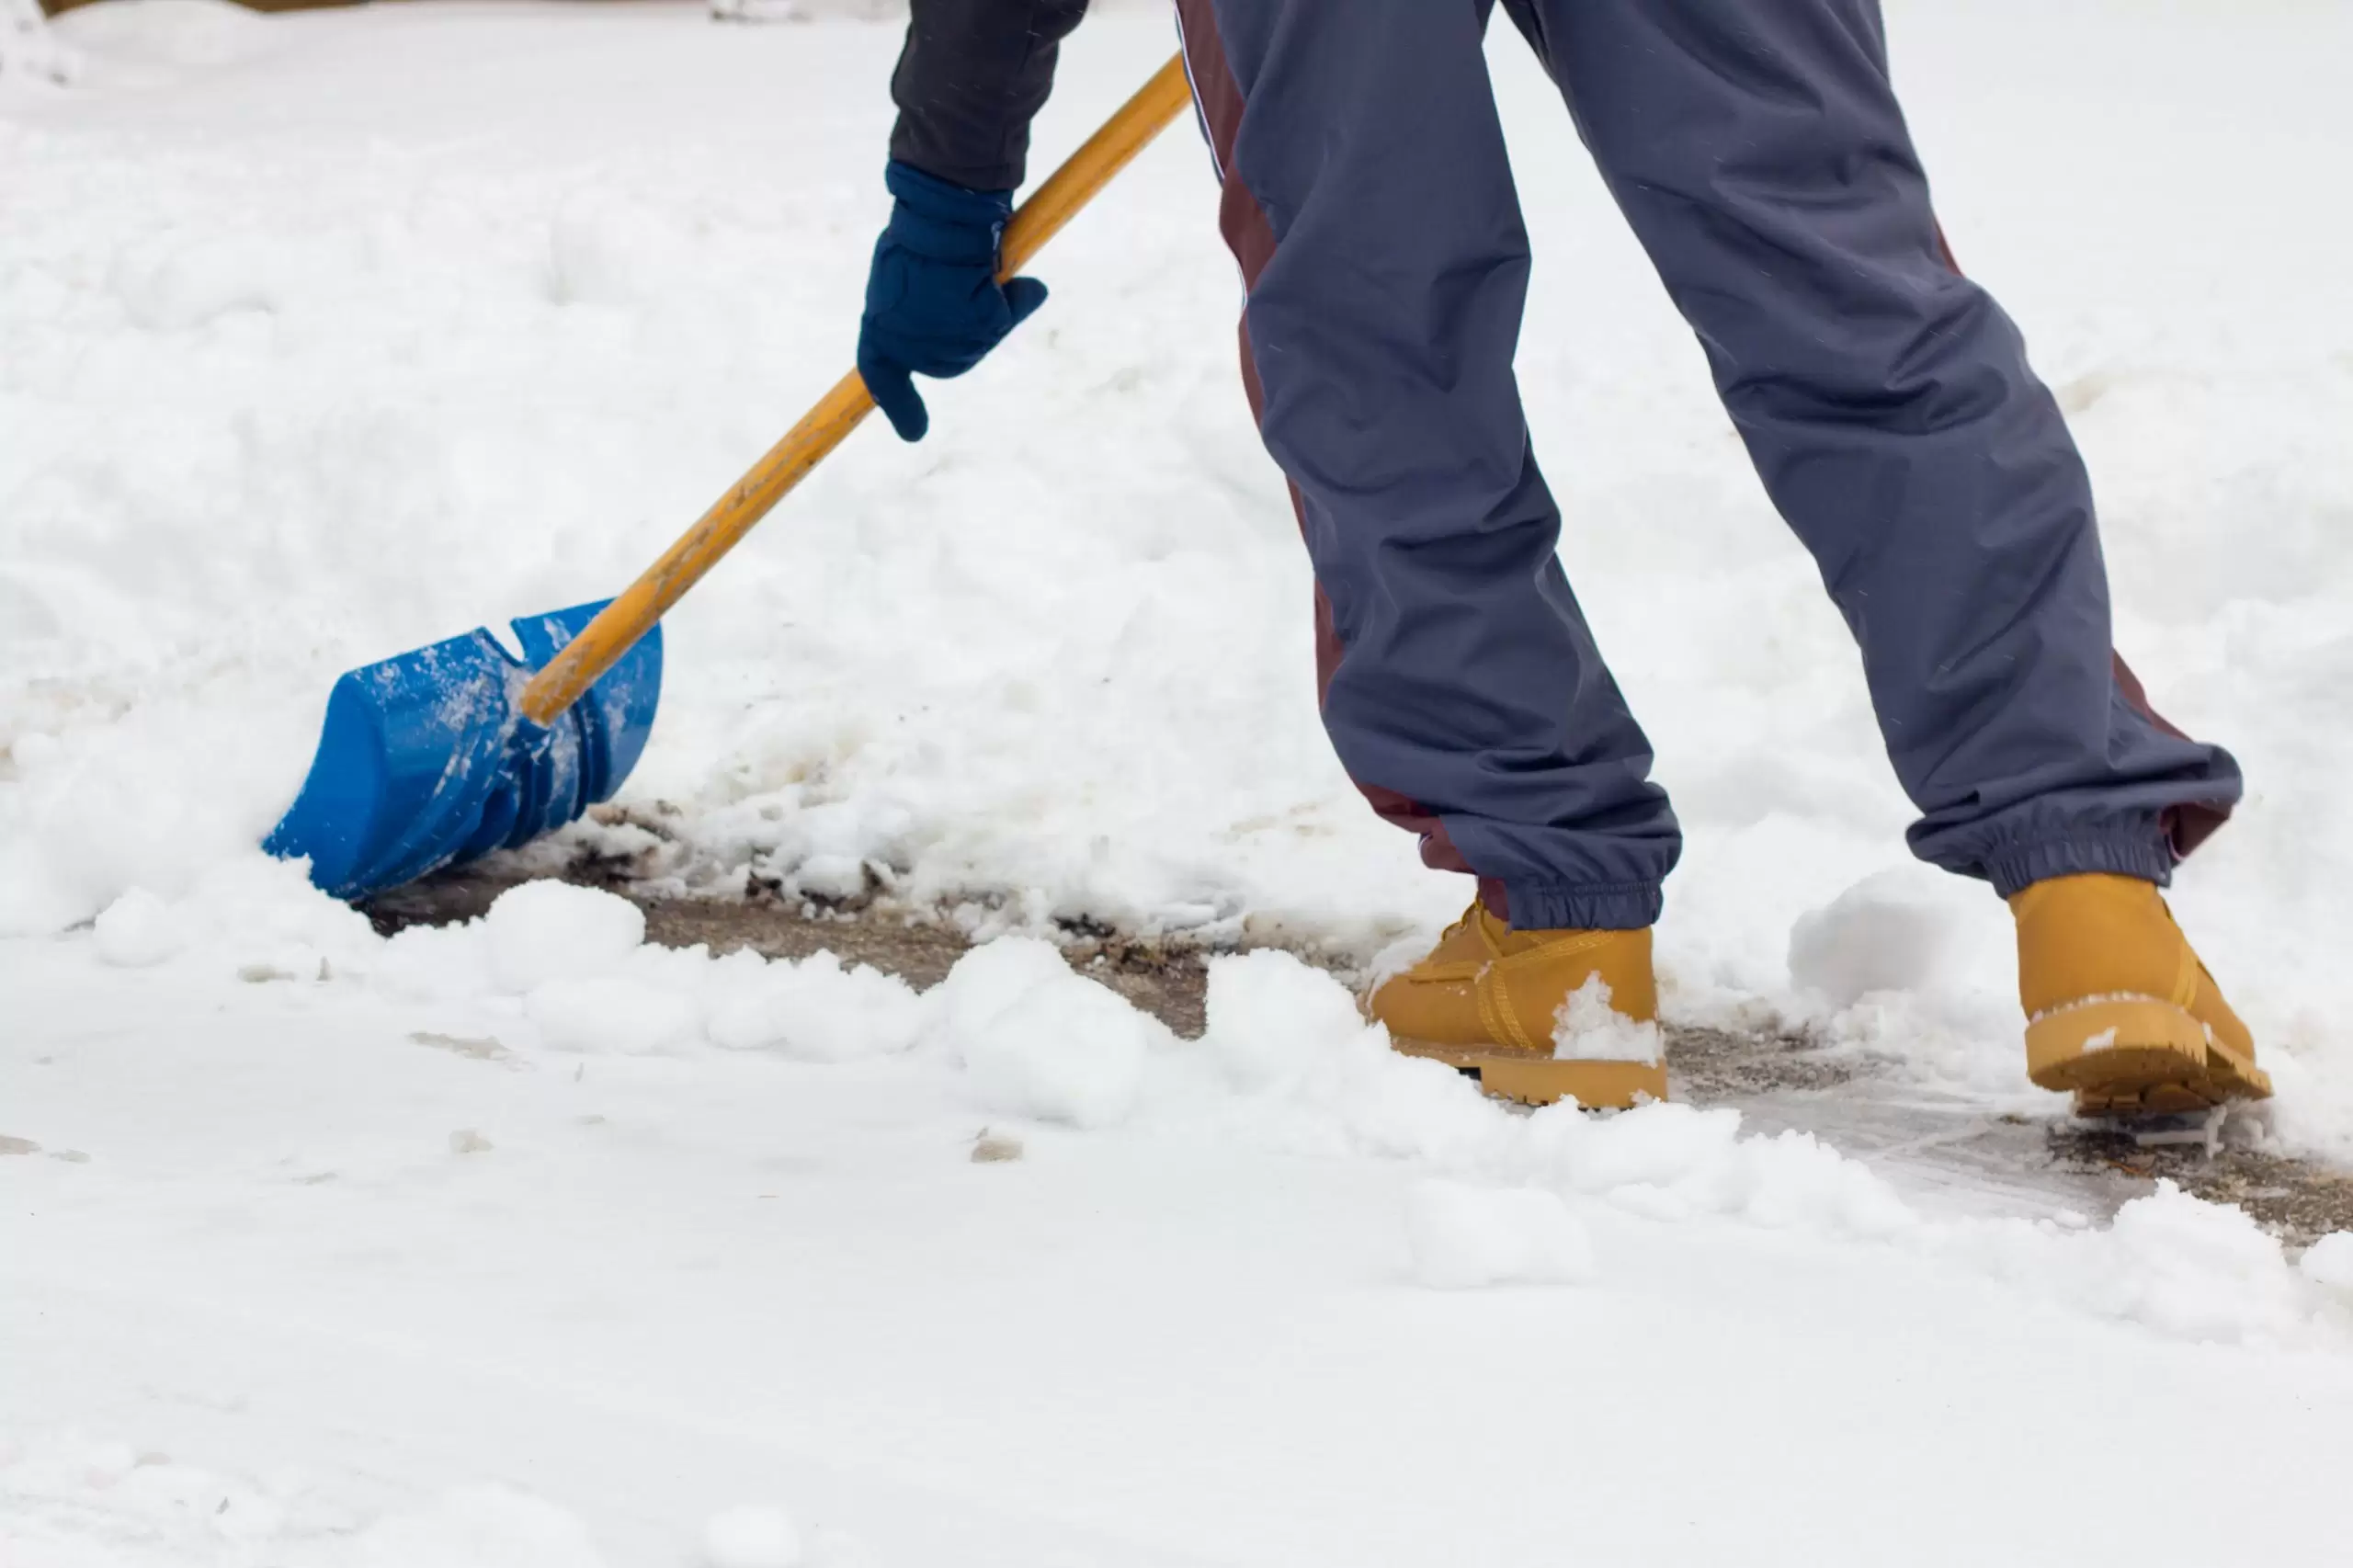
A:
[(425, 760)]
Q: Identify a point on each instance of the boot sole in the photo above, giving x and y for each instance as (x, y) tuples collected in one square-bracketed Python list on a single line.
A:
[(2153, 1059), (1544, 1080)]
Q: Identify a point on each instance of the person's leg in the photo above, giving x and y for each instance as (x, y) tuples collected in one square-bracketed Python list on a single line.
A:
[(1368, 198), (1760, 154)]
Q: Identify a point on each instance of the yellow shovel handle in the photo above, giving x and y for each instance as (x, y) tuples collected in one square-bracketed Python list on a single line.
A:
[(621, 623)]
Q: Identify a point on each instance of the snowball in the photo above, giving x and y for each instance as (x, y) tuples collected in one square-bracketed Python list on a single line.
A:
[(542, 931), (2329, 1261), (1465, 1237), (991, 977), (479, 1527), (1038, 1040), (1269, 1015), (136, 930), (611, 1015), (1895, 931), (751, 1538), (1588, 1028)]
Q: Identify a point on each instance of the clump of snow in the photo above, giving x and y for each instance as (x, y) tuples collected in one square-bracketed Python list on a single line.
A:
[(1315, 1078), (1896, 930), (2329, 1261), (1586, 1028), (752, 1536), (1038, 1040), (249, 916), (1464, 1237), (136, 930), (1269, 1017), (549, 930)]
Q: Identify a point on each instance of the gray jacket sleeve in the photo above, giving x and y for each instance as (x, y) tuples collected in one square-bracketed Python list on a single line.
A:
[(973, 74)]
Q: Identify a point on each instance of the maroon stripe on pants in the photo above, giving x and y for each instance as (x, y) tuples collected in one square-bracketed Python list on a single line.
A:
[(2186, 826), (2189, 824), (1218, 95)]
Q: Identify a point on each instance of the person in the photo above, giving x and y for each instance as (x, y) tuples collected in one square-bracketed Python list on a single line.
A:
[(1762, 159)]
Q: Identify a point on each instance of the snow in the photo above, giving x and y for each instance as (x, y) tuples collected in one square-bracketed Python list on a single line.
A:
[(545, 931), (528, 1242), (29, 51), (1589, 1029), (751, 1536), (1038, 1040), (791, 1278), (2329, 1261), (1466, 1237), (153, 1510), (1899, 930)]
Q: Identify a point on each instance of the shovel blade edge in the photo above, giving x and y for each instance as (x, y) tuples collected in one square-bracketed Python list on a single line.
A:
[(425, 760)]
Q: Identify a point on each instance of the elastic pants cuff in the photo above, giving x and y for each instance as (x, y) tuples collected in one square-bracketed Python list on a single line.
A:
[(1563, 906), (2018, 867)]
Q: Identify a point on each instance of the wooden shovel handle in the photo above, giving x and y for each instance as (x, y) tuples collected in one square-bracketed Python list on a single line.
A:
[(619, 625)]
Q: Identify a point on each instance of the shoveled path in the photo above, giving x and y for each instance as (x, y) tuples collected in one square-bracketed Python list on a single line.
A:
[(1916, 1137)]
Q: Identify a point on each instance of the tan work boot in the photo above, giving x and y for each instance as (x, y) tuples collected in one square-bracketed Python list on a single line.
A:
[(2118, 1007), (1488, 999)]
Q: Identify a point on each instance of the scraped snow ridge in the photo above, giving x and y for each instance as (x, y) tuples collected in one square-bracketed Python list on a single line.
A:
[(1286, 1063)]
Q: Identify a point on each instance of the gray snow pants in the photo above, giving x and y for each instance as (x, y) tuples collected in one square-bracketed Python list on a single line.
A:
[(1759, 152)]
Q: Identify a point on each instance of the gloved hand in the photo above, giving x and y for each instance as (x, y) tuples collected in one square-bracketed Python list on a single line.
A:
[(933, 304)]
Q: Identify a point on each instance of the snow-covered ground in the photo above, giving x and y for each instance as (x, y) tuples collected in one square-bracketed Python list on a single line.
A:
[(326, 335)]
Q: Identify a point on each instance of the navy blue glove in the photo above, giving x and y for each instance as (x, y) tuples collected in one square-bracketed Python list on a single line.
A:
[(933, 304)]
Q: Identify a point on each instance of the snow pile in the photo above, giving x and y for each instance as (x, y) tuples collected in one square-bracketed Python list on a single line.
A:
[(1462, 1236)]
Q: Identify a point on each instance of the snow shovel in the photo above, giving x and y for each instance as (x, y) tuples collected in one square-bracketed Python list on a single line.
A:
[(439, 755)]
